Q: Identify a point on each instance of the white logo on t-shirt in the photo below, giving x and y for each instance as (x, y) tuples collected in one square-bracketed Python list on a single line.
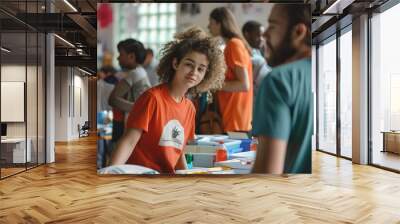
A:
[(172, 135)]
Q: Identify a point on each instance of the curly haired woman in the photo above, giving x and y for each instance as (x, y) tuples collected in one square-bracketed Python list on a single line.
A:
[(162, 120)]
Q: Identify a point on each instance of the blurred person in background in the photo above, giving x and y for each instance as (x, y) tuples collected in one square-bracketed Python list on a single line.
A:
[(131, 55), (252, 32), (235, 99), (105, 84), (150, 65)]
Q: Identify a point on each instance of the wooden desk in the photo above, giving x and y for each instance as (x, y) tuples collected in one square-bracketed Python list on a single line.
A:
[(391, 141)]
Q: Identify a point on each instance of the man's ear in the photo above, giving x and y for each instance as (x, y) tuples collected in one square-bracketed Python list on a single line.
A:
[(245, 34), (175, 64), (299, 34), (132, 56)]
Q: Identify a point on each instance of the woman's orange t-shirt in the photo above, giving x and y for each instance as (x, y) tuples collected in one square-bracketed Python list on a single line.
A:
[(167, 126), (236, 107)]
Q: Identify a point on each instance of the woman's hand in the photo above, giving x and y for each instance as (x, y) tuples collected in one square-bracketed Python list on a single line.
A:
[(242, 82), (182, 164)]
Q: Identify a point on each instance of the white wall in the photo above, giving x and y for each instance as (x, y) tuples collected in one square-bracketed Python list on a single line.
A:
[(16, 73), (386, 70), (61, 103), (71, 87), (33, 127), (80, 94), (13, 72)]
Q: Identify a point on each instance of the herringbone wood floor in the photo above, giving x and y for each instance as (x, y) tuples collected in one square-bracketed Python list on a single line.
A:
[(70, 191)]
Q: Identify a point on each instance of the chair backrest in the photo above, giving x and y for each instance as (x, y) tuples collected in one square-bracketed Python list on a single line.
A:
[(86, 125)]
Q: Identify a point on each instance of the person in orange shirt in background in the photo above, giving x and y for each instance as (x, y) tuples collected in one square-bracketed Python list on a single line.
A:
[(162, 120), (236, 96)]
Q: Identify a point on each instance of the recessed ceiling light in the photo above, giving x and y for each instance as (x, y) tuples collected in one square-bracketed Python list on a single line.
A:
[(5, 50), (336, 6), (64, 40), (84, 71), (70, 5)]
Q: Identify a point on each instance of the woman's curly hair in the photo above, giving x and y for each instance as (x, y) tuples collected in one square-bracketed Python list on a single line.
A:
[(194, 39)]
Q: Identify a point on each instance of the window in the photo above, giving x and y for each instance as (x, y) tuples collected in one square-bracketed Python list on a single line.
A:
[(156, 23), (385, 87), (314, 86), (327, 96), (346, 94), (22, 67)]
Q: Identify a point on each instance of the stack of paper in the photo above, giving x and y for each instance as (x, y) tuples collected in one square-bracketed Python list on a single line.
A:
[(250, 155)]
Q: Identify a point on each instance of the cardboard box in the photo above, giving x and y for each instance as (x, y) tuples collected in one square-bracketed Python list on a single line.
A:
[(392, 142)]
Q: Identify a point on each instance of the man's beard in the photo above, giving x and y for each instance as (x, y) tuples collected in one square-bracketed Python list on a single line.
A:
[(282, 52)]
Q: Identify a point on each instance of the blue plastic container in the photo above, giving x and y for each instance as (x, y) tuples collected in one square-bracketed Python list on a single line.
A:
[(246, 144)]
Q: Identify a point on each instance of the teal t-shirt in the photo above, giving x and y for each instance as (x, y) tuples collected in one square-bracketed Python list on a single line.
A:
[(284, 110)]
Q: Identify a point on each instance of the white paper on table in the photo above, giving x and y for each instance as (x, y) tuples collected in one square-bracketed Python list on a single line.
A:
[(238, 135), (126, 169), (236, 164)]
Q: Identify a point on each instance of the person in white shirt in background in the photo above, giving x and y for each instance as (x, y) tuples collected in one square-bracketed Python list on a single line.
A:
[(252, 32), (150, 64), (131, 57), (106, 81)]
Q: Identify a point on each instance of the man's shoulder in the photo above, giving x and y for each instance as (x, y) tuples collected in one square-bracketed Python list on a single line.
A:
[(155, 91), (137, 75), (287, 70), (138, 71), (235, 42), (302, 64), (191, 106), (285, 77), (153, 94)]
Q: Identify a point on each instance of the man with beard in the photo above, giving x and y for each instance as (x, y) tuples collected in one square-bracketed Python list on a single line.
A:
[(283, 114)]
